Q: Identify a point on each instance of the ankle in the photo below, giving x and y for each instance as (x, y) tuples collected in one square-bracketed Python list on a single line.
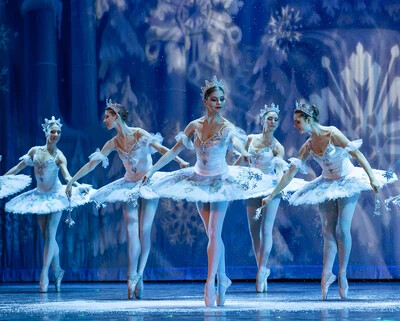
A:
[(326, 274)]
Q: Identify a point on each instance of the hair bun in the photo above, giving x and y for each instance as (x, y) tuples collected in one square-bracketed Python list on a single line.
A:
[(315, 111), (124, 113)]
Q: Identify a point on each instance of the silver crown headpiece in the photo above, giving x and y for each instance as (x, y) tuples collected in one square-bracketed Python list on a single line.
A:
[(48, 123), (305, 108), (267, 109), (209, 84), (114, 106)]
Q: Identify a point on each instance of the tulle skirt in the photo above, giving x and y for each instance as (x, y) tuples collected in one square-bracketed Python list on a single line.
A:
[(11, 184), (238, 183), (125, 191), (37, 202), (293, 186), (321, 189)]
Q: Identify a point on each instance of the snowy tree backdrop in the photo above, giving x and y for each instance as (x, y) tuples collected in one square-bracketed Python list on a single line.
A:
[(64, 58)]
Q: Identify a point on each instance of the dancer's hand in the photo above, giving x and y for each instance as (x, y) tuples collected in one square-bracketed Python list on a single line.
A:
[(375, 184), (266, 200), (147, 176), (83, 189), (68, 190), (184, 164), (246, 157)]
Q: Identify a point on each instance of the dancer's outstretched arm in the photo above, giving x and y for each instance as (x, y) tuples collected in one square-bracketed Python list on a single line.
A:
[(62, 164), (171, 154), (339, 139), (279, 153), (288, 176), (162, 149), (239, 161), (89, 166), (238, 145), (21, 165)]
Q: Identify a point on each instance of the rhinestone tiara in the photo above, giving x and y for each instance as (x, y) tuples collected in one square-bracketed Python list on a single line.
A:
[(271, 108), (305, 108), (210, 84), (50, 122), (114, 106)]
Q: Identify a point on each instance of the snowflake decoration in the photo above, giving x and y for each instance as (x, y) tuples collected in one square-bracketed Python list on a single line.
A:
[(283, 30), (197, 35), (181, 222), (364, 99)]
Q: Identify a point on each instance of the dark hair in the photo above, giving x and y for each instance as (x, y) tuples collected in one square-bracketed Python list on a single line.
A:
[(270, 111), (210, 90), (314, 113), (123, 113)]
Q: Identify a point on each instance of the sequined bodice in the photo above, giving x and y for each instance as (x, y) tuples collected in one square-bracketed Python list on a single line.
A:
[(211, 154), (262, 158), (334, 161), (46, 174), (137, 160)]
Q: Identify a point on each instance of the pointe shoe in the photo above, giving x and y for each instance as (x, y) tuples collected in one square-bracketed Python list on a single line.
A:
[(58, 276), (132, 281), (43, 283), (261, 281), (343, 291), (266, 280), (139, 288), (325, 286), (222, 286), (209, 295)]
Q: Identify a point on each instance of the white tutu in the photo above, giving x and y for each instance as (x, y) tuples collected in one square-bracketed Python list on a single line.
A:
[(55, 200), (293, 186), (237, 183), (123, 191), (395, 200), (322, 189), (11, 184), (340, 178)]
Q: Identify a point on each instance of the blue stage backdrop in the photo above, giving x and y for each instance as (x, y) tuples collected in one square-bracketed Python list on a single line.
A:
[(64, 58)]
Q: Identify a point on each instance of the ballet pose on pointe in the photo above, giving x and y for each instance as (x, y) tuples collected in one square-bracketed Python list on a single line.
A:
[(11, 184), (48, 199), (211, 183), (266, 153), (134, 147), (336, 190)]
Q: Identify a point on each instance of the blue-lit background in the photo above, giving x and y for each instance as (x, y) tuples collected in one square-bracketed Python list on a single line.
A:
[(64, 58)]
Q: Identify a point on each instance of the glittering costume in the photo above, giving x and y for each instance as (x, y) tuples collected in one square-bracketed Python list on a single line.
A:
[(340, 178), (11, 184), (49, 195), (211, 179), (136, 162), (265, 160)]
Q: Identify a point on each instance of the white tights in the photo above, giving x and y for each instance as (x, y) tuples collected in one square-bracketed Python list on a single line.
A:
[(261, 230), (48, 227), (336, 217), (139, 221), (213, 215)]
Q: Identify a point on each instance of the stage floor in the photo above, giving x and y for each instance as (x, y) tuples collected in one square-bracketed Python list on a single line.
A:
[(184, 301)]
